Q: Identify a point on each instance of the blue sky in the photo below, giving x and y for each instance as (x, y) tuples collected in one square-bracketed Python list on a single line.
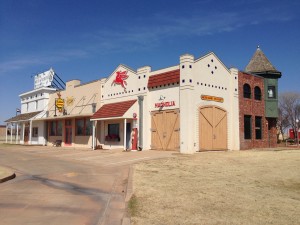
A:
[(88, 39)]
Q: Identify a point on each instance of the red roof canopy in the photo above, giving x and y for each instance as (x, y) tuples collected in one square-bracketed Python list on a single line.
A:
[(164, 78), (117, 109)]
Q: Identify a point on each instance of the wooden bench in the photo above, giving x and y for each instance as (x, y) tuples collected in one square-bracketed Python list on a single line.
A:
[(57, 143)]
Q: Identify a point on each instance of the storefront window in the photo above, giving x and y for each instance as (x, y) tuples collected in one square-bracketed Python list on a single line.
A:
[(88, 127), (53, 128), (79, 127), (59, 128), (113, 132), (84, 127), (56, 128), (113, 129)]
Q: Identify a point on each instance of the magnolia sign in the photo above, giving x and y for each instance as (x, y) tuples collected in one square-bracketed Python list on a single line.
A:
[(43, 79), (164, 104)]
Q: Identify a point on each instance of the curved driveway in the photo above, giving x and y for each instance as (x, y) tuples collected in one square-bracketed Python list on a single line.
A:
[(66, 186)]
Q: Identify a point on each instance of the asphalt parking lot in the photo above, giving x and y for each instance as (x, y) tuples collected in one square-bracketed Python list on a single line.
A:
[(66, 186)]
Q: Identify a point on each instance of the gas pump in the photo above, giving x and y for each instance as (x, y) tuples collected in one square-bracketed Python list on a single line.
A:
[(134, 139), (134, 133)]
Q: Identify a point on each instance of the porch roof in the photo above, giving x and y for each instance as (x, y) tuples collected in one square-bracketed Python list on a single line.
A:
[(23, 117), (113, 110)]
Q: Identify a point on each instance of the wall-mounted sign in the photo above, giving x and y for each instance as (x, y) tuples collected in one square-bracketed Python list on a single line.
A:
[(212, 98), (164, 104), (70, 101), (44, 79), (121, 76), (59, 102)]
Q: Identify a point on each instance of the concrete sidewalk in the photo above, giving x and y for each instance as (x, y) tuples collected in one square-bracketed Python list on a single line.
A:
[(6, 174)]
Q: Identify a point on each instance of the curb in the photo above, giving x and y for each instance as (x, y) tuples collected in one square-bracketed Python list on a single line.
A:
[(8, 175), (129, 192)]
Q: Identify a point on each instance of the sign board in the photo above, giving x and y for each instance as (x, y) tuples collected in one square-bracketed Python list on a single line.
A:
[(59, 102), (43, 79), (212, 98), (164, 104), (120, 79)]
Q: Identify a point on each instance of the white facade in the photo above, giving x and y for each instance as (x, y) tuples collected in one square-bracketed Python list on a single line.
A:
[(35, 100), (200, 81)]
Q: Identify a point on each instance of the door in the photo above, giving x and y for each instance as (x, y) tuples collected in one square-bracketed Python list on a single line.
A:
[(165, 130), (128, 135), (26, 135), (212, 128), (68, 132)]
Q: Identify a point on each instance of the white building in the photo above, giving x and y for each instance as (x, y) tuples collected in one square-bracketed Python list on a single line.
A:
[(34, 105), (190, 107)]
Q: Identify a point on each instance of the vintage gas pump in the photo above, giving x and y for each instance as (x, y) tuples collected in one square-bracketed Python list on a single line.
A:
[(134, 133)]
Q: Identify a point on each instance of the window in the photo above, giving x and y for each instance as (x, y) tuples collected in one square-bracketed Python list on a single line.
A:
[(247, 127), (56, 128), (257, 93), (258, 128), (35, 132), (247, 91), (113, 129), (36, 105), (83, 127), (113, 132), (271, 92)]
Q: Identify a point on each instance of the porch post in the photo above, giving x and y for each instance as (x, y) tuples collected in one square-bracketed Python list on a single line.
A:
[(11, 133), (30, 132), (6, 131), (94, 136), (23, 132), (17, 136), (125, 120)]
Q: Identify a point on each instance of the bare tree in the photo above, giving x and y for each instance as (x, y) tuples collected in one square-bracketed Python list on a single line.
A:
[(289, 111)]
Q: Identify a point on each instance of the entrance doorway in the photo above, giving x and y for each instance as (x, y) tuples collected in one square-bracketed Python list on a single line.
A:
[(128, 135), (165, 130), (212, 128), (68, 132)]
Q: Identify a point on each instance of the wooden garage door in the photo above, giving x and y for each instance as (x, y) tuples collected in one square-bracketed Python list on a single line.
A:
[(213, 128), (165, 130)]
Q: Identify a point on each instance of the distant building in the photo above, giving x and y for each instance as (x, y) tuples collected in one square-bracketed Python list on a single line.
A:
[(258, 104), (34, 105)]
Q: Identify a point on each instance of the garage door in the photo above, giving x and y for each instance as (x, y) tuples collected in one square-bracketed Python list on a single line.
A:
[(213, 128), (165, 130)]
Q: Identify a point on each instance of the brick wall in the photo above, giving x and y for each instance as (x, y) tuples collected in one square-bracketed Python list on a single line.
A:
[(253, 108)]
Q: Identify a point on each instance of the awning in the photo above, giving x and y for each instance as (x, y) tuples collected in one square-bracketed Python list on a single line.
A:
[(62, 117), (113, 110), (23, 117)]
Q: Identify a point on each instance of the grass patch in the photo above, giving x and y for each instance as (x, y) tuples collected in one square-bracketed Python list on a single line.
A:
[(133, 206), (237, 187)]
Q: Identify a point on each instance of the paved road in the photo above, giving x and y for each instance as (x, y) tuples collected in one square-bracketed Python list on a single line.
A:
[(66, 186)]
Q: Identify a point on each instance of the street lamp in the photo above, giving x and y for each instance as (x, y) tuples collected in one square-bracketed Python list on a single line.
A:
[(297, 134)]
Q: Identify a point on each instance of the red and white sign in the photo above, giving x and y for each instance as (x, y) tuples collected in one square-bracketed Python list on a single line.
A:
[(121, 76), (164, 104)]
